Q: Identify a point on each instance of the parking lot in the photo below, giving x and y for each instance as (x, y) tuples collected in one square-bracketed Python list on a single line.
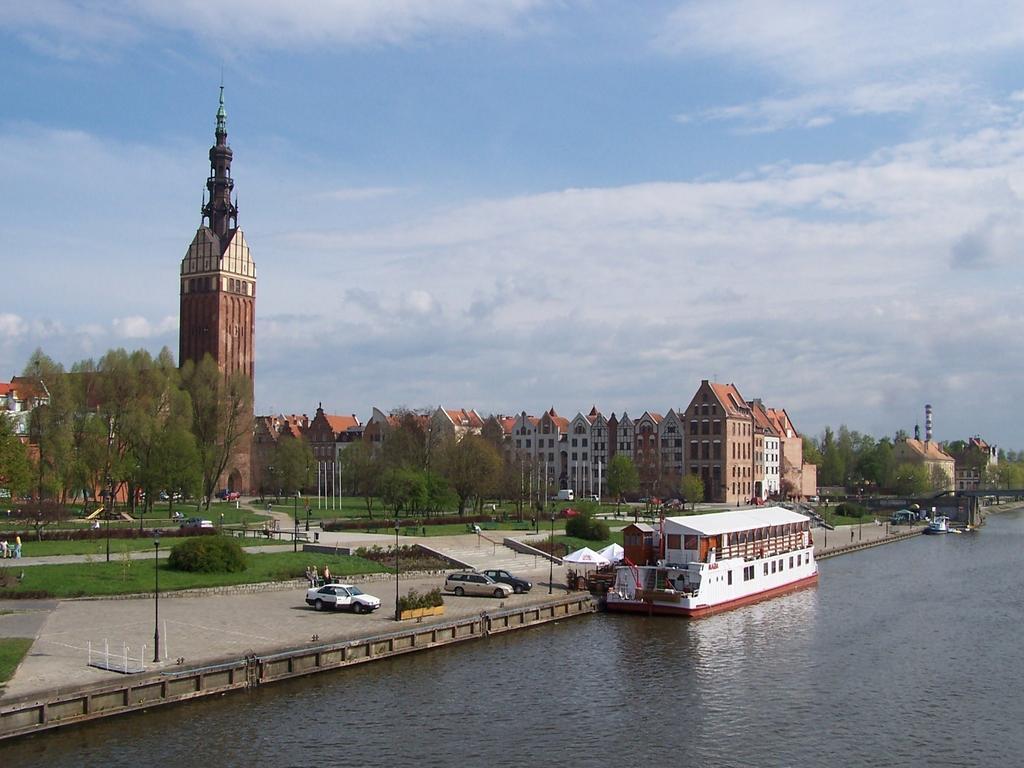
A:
[(207, 629)]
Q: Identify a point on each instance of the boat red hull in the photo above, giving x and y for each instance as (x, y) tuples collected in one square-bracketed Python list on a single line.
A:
[(660, 609)]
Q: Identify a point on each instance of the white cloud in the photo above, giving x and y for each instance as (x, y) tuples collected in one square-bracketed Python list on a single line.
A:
[(70, 28), (12, 326), (138, 327), (820, 286), (847, 57)]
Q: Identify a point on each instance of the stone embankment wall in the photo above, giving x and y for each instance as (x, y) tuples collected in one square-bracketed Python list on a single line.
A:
[(61, 708)]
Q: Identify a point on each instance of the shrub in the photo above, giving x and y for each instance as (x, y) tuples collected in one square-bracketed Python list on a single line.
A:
[(414, 600), (586, 527), (849, 509), (210, 554)]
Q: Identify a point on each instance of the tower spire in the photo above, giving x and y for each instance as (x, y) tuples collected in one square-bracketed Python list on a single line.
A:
[(220, 214)]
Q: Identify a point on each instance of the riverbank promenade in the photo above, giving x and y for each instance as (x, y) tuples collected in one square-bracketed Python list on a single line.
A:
[(199, 629)]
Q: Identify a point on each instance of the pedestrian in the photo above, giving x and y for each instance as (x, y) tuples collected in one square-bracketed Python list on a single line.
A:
[(3, 548), (309, 576), (17, 546), (316, 577), (327, 574), (851, 534)]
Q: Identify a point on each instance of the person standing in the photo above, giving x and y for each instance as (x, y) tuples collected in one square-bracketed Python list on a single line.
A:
[(327, 574), (3, 548), (17, 546)]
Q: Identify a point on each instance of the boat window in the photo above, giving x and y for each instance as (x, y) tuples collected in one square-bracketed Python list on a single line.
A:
[(790, 561), (798, 559), (773, 566), (782, 565), (766, 569)]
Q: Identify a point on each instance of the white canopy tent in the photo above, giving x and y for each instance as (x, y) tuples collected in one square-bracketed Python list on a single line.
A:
[(585, 558), (613, 553)]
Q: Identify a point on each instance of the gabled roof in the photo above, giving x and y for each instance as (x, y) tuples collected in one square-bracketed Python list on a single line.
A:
[(781, 421), (594, 414), (730, 399), (929, 449), (761, 420), (460, 417), (655, 417), (5, 387), (715, 523), (559, 421), (342, 423)]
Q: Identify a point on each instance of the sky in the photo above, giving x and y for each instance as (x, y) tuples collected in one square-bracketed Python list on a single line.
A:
[(514, 205)]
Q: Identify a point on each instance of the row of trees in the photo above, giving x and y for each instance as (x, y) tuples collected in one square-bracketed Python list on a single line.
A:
[(850, 459), (129, 420)]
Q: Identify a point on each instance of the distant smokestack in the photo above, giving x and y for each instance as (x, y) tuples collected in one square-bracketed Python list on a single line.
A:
[(927, 423)]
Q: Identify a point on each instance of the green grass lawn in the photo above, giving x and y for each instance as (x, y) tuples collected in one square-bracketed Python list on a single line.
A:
[(134, 576), (98, 547), (12, 651)]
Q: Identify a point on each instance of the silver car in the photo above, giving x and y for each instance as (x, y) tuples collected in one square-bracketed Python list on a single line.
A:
[(472, 583)]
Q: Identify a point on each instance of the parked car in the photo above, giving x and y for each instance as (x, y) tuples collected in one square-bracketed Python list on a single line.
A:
[(197, 522), (504, 577), (341, 597), (225, 495), (472, 583)]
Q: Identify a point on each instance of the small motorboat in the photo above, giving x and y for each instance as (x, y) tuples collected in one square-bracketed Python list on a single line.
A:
[(937, 525)]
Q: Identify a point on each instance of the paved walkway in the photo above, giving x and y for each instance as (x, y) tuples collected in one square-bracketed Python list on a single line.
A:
[(210, 628)]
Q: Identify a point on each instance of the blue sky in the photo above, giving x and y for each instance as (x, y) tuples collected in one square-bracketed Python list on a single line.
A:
[(519, 204)]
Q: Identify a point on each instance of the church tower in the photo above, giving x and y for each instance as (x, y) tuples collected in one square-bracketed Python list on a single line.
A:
[(218, 276)]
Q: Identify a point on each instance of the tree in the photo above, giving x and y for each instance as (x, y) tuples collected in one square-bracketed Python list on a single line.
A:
[(360, 472), (221, 416), (910, 479), (403, 489), (472, 467), (692, 488), (15, 468), (50, 423), (293, 464), (622, 477), (938, 480)]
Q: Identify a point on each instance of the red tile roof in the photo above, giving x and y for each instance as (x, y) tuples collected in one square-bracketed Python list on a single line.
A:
[(731, 399), (342, 423), (5, 387), (928, 449), (463, 418)]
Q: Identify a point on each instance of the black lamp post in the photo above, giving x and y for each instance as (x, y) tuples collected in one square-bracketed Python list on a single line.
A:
[(398, 613), (307, 518), (551, 559), (295, 538), (106, 512), (156, 596)]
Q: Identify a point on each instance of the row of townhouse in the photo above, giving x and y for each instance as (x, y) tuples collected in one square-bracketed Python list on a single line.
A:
[(741, 450)]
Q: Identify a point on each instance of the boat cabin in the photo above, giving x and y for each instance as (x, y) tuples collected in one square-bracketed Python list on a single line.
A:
[(746, 533), (641, 544)]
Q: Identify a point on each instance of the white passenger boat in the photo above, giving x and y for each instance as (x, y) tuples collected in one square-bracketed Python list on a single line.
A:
[(718, 561), (938, 524)]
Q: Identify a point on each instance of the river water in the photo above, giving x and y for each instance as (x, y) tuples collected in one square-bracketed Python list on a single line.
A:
[(907, 654)]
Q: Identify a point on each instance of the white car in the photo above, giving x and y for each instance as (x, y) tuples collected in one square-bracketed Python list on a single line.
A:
[(341, 596)]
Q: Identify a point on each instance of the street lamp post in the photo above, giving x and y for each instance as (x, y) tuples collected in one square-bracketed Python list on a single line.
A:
[(551, 559), (106, 512), (295, 538), (398, 613), (307, 518), (156, 596)]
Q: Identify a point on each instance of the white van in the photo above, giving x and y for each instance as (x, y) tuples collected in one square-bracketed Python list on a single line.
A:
[(565, 494)]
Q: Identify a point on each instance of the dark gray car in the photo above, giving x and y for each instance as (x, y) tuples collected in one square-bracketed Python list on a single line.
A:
[(504, 577)]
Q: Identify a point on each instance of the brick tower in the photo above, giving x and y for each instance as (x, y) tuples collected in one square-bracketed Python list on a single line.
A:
[(218, 288)]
